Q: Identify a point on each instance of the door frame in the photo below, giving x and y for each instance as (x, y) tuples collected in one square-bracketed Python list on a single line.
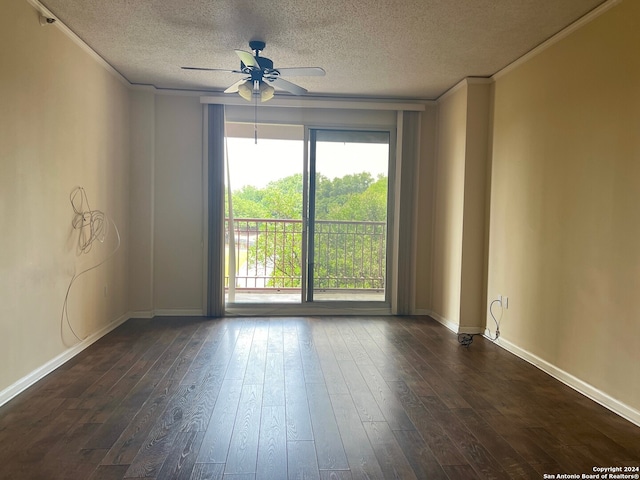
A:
[(338, 307), (309, 217)]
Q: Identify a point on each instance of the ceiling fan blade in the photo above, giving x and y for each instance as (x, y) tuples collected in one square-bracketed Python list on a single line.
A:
[(288, 86), (234, 88), (302, 72), (248, 59), (211, 69)]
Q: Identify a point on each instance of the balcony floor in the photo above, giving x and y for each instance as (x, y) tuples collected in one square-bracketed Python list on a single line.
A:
[(294, 297)]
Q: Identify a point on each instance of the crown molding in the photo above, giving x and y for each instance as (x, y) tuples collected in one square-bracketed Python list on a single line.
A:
[(465, 82), (44, 11)]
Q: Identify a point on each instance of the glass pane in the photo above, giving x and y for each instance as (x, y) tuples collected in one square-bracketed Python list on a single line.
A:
[(349, 253), (263, 260)]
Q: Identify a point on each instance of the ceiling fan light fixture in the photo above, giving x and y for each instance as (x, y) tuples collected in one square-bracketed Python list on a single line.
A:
[(266, 92), (245, 90)]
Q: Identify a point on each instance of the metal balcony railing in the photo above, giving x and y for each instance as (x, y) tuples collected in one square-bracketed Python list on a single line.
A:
[(268, 254)]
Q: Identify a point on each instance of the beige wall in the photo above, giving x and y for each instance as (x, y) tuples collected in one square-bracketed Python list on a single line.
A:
[(142, 114), (458, 255), (474, 223), (63, 123), (178, 204), (449, 206), (565, 222), (166, 204), (167, 261)]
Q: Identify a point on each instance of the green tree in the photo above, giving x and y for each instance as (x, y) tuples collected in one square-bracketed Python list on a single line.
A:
[(368, 206), (348, 255), (331, 195), (248, 203), (283, 197)]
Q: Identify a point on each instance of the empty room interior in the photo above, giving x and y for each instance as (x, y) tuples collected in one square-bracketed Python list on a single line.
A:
[(331, 240)]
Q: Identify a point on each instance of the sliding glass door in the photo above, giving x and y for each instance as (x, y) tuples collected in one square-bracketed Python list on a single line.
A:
[(306, 222), (347, 215)]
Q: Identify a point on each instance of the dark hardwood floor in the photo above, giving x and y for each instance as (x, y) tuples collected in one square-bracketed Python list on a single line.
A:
[(324, 398)]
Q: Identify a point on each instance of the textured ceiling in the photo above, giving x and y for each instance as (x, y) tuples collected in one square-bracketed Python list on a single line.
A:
[(385, 48)]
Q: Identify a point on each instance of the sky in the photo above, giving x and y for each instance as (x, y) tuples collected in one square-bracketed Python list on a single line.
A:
[(270, 159)]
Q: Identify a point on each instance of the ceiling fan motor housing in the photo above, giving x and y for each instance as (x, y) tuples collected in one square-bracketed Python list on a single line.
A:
[(257, 45), (266, 67)]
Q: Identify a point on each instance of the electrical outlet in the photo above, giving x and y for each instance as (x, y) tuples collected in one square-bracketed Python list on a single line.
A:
[(504, 301)]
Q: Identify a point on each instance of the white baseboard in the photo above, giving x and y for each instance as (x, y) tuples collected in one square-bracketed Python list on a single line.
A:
[(177, 312), (39, 373), (454, 327), (142, 314), (471, 330), (168, 312), (440, 319), (598, 396)]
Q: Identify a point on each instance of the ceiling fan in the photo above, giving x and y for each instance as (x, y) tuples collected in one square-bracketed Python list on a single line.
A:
[(259, 75)]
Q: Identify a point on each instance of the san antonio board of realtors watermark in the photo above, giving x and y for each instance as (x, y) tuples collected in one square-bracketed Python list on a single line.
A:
[(599, 473)]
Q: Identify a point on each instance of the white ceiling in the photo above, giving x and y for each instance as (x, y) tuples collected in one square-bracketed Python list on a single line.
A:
[(386, 48)]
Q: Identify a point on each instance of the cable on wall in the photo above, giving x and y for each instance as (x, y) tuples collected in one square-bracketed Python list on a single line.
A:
[(466, 339), (92, 225)]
